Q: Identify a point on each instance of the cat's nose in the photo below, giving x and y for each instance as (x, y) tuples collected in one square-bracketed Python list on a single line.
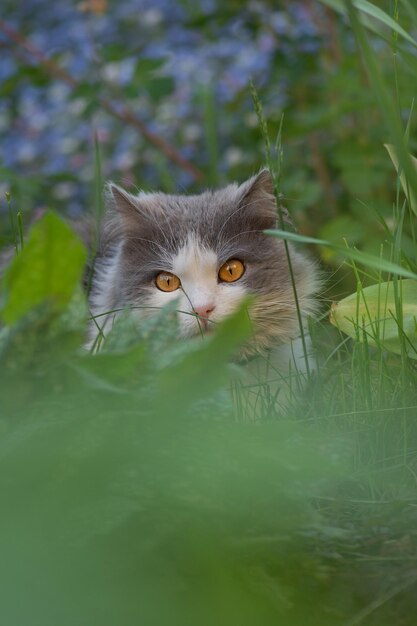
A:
[(204, 310)]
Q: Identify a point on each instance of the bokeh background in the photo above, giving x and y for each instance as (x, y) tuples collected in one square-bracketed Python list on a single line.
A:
[(137, 491), (136, 74)]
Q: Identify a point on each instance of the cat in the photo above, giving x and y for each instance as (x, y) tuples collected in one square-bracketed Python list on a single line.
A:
[(207, 252)]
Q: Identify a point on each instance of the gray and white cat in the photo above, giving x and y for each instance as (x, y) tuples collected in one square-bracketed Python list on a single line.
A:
[(207, 252)]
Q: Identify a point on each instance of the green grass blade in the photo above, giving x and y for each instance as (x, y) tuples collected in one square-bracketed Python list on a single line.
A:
[(375, 12), (210, 130), (387, 107), (412, 11), (369, 260), (20, 229), (411, 197), (373, 312), (290, 236), (98, 210), (384, 18), (12, 222), (276, 178)]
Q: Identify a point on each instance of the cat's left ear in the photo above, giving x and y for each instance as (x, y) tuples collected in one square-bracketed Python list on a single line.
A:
[(257, 199)]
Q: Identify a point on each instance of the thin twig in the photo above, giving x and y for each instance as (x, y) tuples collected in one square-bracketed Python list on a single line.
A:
[(120, 112)]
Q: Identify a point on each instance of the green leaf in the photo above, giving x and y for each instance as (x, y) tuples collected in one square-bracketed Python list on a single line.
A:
[(388, 108), (144, 67), (289, 236), (204, 370), (376, 262), (341, 228), (412, 11), (373, 11), (372, 313), (369, 260), (49, 269), (411, 197), (159, 87)]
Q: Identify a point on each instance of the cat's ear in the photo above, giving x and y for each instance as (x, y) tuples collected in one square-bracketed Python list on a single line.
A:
[(257, 198), (261, 183), (130, 209), (121, 202)]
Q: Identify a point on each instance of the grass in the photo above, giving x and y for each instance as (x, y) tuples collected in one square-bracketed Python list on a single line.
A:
[(139, 490), (136, 457)]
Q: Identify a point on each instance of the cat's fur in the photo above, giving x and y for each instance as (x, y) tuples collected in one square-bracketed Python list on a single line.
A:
[(192, 236)]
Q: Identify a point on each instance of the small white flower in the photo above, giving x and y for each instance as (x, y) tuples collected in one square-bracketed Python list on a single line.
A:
[(151, 17), (62, 191), (251, 119), (192, 132), (233, 156)]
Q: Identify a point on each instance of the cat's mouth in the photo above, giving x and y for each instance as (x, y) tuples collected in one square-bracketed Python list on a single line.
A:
[(202, 326)]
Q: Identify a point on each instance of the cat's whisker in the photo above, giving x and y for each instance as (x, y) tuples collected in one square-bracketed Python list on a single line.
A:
[(191, 237), (150, 216), (151, 241), (244, 232), (153, 218), (132, 307), (229, 217), (192, 307), (166, 223)]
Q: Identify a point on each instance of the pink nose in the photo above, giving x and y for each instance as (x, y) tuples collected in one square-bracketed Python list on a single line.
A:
[(205, 310)]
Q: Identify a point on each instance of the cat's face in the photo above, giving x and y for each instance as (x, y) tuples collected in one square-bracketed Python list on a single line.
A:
[(208, 252)]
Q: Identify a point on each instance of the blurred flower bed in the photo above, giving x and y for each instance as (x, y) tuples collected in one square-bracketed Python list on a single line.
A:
[(183, 69)]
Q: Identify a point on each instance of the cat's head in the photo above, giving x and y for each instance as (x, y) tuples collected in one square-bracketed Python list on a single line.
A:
[(208, 252)]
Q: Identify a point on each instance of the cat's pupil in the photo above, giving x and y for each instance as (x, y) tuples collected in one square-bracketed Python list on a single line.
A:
[(129, 273)]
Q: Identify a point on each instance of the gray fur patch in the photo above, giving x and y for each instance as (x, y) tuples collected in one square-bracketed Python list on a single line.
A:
[(143, 233)]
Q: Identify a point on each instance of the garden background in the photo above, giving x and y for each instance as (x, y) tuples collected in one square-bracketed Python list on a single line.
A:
[(132, 491), (179, 73)]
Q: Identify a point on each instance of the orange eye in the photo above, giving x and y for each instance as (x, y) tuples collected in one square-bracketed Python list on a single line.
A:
[(232, 270), (165, 281)]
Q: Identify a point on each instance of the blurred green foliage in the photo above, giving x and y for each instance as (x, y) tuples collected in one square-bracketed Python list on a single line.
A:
[(124, 499), (133, 492), (134, 487)]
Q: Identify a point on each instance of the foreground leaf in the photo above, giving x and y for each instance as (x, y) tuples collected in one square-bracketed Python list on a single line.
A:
[(372, 315), (48, 269), (411, 197), (374, 12), (369, 260)]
